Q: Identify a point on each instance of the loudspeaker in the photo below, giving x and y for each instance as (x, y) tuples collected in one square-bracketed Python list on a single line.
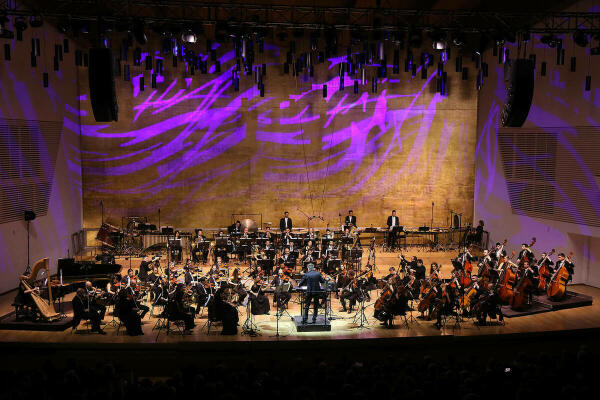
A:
[(102, 85), (520, 80)]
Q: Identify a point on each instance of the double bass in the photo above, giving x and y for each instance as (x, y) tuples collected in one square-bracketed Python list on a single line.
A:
[(507, 282), (521, 290), (544, 272), (557, 287)]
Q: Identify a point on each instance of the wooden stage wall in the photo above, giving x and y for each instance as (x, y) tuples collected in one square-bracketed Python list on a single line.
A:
[(201, 151)]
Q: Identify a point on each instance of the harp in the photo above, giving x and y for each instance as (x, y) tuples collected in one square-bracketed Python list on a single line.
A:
[(45, 306)]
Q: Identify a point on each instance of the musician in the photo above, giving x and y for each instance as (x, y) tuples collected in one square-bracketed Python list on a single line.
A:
[(268, 245), (486, 258), (308, 250), (235, 228), (180, 312), (286, 238), (128, 312), (393, 224), (285, 223), (476, 235), (444, 303), (545, 259), (144, 268), (267, 234), (281, 296), (419, 270), (258, 299), (93, 295), (562, 260), (312, 280), (350, 219), (189, 277), (175, 247), (105, 257), (129, 279), (83, 309), (391, 276), (498, 252), (287, 258), (525, 253), (311, 234), (328, 234), (199, 239), (227, 313), (349, 292)]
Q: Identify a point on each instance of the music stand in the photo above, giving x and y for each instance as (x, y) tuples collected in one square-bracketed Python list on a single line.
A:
[(250, 328), (360, 316)]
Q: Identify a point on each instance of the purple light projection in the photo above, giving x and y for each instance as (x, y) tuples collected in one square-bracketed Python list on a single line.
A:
[(181, 137)]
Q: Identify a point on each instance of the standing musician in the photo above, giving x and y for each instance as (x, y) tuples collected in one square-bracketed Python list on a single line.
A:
[(285, 223), (350, 219), (144, 268), (562, 260), (486, 258), (420, 270), (525, 254), (312, 280), (498, 252), (545, 260), (393, 224), (189, 277), (82, 309)]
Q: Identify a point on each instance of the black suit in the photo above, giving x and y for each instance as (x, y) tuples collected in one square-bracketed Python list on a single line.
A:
[(80, 312), (350, 220), (312, 280), (394, 222), (283, 226)]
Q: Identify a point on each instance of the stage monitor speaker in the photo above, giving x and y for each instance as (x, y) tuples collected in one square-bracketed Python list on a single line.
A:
[(520, 81), (102, 85)]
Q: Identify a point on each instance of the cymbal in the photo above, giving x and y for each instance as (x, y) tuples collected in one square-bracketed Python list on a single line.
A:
[(250, 224)]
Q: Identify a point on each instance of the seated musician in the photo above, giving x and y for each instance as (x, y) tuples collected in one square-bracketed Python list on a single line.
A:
[(281, 296), (130, 279), (106, 257), (114, 285), (235, 228), (128, 313), (287, 259), (267, 234), (200, 254), (94, 295), (444, 303), (287, 237), (189, 277), (349, 292), (566, 262), (176, 249), (370, 278), (486, 258), (393, 224), (311, 235), (269, 246), (83, 309), (178, 311), (391, 276), (227, 313), (328, 234), (498, 252), (308, 251)]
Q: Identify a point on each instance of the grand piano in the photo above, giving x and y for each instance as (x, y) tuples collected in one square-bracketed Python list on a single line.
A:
[(75, 272)]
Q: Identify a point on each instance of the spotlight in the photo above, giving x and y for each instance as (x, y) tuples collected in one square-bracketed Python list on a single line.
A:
[(20, 24), (139, 33), (189, 37), (550, 40), (458, 40), (438, 40), (36, 21), (579, 37), (439, 45)]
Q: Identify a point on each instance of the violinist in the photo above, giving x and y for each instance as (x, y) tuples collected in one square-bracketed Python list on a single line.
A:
[(349, 292), (282, 293), (93, 296), (443, 303), (154, 276), (82, 309), (258, 299), (129, 280), (391, 276), (179, 311), (189, 278), (114, 285), (238, 287), (128, 313), (287, 259)]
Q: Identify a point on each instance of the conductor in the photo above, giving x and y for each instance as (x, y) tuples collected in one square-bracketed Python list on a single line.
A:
[(312, 280)]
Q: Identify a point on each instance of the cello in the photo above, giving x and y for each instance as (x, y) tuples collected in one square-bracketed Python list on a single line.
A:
[(544, 272), (557, 287)]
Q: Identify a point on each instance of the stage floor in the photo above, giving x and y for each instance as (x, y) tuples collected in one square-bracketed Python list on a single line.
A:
[(342, 328)]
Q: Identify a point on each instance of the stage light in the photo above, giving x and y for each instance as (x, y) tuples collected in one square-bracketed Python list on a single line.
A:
[(550, 40), (580, 38), (381, 51), (438, 40), (458, 40), (20, 24), (36, 21), (189, 37), (139, 32), (439, 45)]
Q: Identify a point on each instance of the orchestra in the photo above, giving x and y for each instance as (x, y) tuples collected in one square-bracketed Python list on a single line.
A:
[(500, 279)]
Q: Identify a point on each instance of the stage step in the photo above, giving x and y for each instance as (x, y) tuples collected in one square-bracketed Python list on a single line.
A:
[(320, 325)]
